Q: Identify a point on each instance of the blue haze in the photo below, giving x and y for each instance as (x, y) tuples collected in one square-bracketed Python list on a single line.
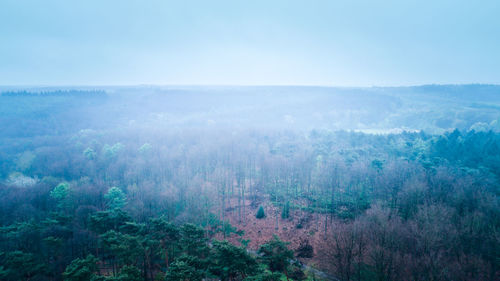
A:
[(338, 43)]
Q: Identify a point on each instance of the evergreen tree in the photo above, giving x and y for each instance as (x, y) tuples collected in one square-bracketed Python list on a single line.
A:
[(193, 241), (181, 271), (260, 213), (81, 269), (103, 221), (61, 193), (126, 248), (115, 198), (167, 234), (265, 276), (276, 254), (18, 265), (129, 273), (230, 262), (285, 213)]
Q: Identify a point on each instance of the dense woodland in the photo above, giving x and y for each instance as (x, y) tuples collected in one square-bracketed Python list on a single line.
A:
[(173, 184)]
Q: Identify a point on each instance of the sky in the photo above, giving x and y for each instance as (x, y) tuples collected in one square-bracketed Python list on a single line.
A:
[(252, 42)]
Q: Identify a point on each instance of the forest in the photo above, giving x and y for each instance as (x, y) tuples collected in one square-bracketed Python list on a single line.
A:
[(250, 183)]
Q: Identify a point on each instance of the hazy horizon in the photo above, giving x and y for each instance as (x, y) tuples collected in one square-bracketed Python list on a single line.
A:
[(242, 85), (328, 43)]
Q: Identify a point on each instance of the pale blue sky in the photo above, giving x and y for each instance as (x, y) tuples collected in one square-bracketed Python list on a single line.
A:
[(308, 42)]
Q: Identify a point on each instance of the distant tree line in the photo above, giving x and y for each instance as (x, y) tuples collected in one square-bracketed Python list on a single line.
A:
[(46, 93)]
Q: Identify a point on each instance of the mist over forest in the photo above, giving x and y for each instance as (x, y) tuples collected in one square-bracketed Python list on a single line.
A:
[(250, 183)]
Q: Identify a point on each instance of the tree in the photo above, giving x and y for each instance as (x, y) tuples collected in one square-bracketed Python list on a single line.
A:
[(347, 250), (126, 248), (193, 241), (260, 213), (115, 198), (285, 213), (111, 151), (305, 250), (276, 255), (60, 193), (129, 273), (265, 276), (100, 222), (89, 153), (168, 235), (18, 265), (145, 148), (230, 262), (81, 269), (181, 271)]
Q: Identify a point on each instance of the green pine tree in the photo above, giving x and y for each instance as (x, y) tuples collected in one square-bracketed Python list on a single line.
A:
[(81, 269), (276, 254), (260, 213), (285, 213), (230, 262), (115, 198), (181, 271)]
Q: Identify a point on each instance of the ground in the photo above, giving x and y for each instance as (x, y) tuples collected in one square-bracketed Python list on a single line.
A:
[(259, 231)]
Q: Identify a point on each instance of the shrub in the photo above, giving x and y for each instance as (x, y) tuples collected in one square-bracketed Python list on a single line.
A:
[(305, 250)]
